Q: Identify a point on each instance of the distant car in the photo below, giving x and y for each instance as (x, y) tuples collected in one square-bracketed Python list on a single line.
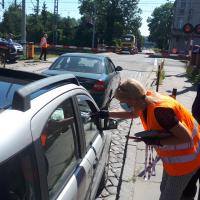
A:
[(18, 47), (12, 52), (96, 73), (54, 149)]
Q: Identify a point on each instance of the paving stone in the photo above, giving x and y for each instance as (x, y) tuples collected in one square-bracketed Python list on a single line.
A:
[(111, 197), (105, 193), (126, 191), (110, 173), (114, 181), (116, 165), (112, 190)]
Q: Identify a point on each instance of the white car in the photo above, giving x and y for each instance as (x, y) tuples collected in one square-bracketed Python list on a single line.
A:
[(19, 48), (51, 147)]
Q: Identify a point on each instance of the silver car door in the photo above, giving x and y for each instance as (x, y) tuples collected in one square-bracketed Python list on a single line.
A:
[(94, 141), (60, 143)]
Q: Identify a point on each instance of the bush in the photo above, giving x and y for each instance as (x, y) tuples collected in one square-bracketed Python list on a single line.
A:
[(157, 50), (193, 74)]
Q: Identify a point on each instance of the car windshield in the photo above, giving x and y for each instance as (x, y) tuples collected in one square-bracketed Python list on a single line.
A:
[(78, 64), (127, 38)]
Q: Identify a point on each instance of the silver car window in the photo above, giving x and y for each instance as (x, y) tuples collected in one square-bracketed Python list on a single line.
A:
[(89, 123), (59, 142)]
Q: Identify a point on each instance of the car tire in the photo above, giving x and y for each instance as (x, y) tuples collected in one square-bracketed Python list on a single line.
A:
[(104, 177)]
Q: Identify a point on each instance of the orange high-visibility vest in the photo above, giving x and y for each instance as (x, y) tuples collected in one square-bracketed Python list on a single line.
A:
[(179, 159), (43, 42)]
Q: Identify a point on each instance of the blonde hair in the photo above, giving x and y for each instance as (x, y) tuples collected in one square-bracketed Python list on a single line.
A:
[(131, 88)]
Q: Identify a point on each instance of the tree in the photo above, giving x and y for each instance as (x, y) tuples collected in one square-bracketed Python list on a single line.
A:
[(11, 21), (113, 18), (44, 16), (160, 24)]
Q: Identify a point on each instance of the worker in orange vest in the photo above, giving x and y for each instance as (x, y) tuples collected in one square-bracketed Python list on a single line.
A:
[(179, 150), (43, 45)]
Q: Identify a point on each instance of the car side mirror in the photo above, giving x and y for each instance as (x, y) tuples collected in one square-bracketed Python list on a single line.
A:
[(109, 124), (118, 68)]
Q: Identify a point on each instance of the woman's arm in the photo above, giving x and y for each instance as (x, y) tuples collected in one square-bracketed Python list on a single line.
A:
[(180, 135), (122, 114)]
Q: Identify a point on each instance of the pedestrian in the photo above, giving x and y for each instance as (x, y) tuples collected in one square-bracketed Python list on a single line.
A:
[(43, 45), (10, 38), (180, 151), (191, 189)]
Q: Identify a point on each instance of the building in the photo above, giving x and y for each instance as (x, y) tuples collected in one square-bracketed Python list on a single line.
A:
[(185, 11)]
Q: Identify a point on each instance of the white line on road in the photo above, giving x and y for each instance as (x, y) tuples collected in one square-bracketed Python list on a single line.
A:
[(155, 62)]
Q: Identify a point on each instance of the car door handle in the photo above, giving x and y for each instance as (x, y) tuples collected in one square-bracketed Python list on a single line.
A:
[(95, 163)]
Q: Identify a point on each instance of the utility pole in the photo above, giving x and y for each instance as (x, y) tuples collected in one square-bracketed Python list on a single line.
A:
[(23, 26), (37, 7), (15, 3), (55, 22), (94, 25)]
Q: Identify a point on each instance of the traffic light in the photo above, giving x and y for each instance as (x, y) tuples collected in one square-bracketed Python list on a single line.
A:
[(197, 29), (188, 28)]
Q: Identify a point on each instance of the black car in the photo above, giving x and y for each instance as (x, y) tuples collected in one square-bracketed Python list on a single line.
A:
[(11, 52), (96, 73)]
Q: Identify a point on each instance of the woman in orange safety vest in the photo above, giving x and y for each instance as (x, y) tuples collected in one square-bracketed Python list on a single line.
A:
[(43, 45), (180, 151)]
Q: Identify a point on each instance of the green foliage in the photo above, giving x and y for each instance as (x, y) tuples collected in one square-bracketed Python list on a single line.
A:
[(162, 75), (113, 17), (193, 74), (160, 25), (11, 21), (157, 50)]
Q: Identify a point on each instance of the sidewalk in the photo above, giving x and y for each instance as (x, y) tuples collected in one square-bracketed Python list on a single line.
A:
[(31, 65), (174, 78)]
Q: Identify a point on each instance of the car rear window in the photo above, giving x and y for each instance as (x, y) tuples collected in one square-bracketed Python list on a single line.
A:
[(78, 64), (7, 91), (8, 88)]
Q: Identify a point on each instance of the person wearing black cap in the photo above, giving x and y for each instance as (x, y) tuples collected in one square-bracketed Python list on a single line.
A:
[(191, 189)]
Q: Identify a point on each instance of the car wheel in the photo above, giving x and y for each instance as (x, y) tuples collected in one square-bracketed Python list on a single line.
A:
[(104, 177)]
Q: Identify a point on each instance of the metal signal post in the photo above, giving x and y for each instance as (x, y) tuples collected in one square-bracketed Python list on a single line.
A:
[(55, 22)]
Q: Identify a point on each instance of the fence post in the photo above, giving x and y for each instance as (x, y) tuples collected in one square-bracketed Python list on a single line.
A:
[(158, 78), (174, 93)]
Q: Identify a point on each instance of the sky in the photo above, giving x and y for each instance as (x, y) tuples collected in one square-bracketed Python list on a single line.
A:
[(70, 8)]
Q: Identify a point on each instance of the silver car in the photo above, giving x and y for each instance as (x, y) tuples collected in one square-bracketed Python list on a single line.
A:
[(51, 147)]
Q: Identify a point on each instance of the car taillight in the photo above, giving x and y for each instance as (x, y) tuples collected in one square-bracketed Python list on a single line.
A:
[(99, 86)]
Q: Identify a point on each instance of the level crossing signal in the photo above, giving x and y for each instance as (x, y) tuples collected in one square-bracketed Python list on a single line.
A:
[(188, 28), (197, 29)]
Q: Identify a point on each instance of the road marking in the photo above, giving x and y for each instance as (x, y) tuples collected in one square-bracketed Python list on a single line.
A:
[(155, 62)]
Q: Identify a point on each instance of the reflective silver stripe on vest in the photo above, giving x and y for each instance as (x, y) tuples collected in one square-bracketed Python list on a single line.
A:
[(182, 159), (187, 145)]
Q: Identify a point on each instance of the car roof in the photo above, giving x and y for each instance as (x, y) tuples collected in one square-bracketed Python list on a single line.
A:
[(90, 55), (15, 123)]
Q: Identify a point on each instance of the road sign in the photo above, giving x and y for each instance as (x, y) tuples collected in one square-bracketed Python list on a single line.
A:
[(197, 29), (188, 28)]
